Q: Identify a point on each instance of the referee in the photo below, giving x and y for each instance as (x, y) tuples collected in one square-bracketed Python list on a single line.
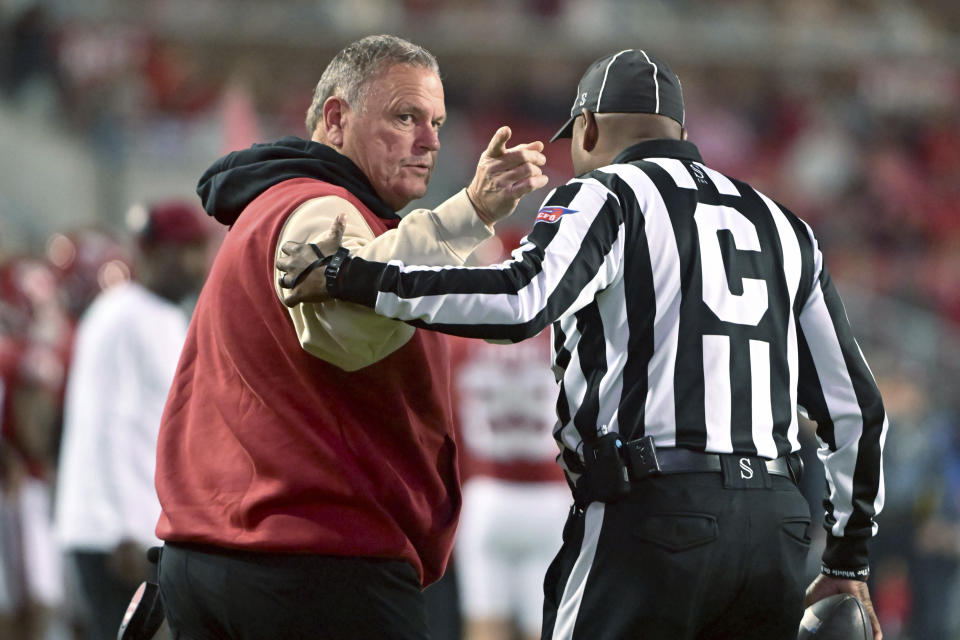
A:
[(691, 316)]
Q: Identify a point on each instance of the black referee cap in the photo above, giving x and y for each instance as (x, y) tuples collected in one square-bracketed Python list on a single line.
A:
[(631, 81)]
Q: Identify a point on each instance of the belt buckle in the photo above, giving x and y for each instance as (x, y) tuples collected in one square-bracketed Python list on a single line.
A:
[(642, 460)]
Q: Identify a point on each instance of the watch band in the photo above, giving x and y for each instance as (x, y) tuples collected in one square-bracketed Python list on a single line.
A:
[(333, 269)]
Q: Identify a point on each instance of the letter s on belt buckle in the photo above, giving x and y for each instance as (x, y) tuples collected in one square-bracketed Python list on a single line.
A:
[(642, 458)]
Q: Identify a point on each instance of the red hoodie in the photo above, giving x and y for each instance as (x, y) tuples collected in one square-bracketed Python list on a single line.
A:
[(267, 448)]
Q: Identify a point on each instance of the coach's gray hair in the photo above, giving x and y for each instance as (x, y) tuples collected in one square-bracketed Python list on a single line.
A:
[(349, 73)]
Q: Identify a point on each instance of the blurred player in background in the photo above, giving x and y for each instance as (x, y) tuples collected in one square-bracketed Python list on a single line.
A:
[(34, 344), (88, 261), (515, 497), (127, 345)]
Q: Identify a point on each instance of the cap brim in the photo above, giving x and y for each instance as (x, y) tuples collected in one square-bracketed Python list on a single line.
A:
[(566, 131)]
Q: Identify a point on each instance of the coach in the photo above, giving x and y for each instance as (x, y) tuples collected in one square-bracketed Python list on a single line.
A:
[(691, 317), (306, 467)]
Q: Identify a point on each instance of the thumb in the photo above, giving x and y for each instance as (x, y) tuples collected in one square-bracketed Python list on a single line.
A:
[(332, 238), (498, 143), (335, 233), (338, 226)]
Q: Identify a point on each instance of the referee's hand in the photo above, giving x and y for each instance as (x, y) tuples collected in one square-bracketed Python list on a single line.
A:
[(504, 175), (825, 586), (302, 265)]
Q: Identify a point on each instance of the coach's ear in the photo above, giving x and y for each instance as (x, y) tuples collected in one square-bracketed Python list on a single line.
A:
[(591, 132), (335, 116)]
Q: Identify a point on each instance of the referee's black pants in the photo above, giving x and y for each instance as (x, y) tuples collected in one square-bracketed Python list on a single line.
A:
[(218, 594), (682, 558)]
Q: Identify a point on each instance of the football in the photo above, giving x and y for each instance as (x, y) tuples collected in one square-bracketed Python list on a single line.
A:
[(838, 617)]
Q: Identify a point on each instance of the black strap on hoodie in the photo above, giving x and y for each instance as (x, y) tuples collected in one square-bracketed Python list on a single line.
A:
[(236, 179)]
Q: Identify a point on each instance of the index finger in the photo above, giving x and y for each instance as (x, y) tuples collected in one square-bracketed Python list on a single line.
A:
[(521, 154), (536, 145)]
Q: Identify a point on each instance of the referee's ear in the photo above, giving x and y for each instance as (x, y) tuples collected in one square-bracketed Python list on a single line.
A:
[(591, 132), (683, 133)]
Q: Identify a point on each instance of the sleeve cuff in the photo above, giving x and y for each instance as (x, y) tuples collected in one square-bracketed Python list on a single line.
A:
[(462, 229), (846, 558), (357, 281)]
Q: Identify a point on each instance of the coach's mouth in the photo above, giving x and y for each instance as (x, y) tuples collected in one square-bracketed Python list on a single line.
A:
[(421, 169)]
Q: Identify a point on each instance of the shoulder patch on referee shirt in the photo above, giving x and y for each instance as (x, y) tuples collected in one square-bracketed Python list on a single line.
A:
[(552, 214)]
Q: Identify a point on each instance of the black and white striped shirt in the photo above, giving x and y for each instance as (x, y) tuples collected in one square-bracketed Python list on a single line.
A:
[(684, 305)]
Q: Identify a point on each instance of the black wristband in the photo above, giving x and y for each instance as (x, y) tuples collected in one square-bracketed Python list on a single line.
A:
[(862, 574), (333, 269), (845, 557)]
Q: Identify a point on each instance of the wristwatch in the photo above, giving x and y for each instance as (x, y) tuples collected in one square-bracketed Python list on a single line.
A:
[(333, 268)]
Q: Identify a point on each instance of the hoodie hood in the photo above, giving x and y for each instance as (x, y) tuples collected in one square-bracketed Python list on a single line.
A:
[(236, 179)]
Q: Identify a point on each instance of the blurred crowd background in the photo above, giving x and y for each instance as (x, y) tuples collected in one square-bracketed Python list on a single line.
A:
[(847, 112)]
